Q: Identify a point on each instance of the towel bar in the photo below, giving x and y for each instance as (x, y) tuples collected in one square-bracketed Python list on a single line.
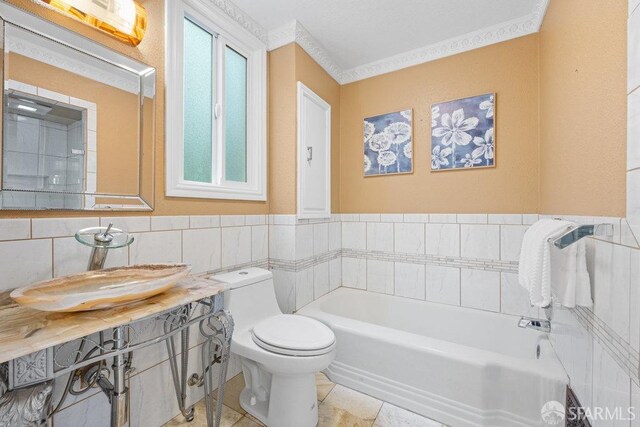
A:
[(576, 233)]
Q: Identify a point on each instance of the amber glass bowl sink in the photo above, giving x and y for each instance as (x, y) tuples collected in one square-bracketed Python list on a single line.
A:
[(95, 290)]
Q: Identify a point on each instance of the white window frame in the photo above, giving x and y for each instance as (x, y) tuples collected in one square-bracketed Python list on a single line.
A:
[(229, 33)]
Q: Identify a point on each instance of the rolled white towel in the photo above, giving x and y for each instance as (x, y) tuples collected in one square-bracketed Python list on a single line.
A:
[(558, 273)]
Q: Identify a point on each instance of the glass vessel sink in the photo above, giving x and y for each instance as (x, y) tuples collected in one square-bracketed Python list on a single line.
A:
[(95, 290)]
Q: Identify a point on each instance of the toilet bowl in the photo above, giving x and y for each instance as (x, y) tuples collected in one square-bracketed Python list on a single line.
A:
[(280, 353)]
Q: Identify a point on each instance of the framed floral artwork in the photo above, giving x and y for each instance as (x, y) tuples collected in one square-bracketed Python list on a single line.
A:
[(462, 133), (388, 144)]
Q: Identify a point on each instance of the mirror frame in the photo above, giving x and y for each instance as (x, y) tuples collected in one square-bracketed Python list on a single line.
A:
[(10, 14)]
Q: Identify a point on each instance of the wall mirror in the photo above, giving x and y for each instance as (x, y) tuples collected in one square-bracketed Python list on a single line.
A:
[(77, 121)]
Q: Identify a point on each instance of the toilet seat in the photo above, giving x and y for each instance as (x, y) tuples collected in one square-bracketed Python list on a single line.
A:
[(292, 335)]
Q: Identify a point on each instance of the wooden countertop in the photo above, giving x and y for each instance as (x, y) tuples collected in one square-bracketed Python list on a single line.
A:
[(25, 330)]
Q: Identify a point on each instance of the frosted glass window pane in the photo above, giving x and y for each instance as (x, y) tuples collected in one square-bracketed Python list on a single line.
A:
[(198, 103), (235, 93)]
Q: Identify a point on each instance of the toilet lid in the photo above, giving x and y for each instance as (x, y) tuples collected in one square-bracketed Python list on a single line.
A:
[(293, 335)]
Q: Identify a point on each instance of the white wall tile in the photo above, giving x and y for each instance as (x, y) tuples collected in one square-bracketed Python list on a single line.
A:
[(410, 280), (259, 242), (513, 219), (611, 286), (232, 220), (443, 218), (511, 241), (514, 298), (335, 236), (480, 241), (56, 96), (611, 386), (480, 289), (60, 227), (443, 284), (130, 224), (22, 87), (282, 242), (282, 219), (370, 217), (25, 262), (304, 287), (416, 218), (304, 241), (255, 219), (165, 223), (354, 273), (472, 218), (634, 297), (204, 221), (71, 257), (529, 219), (442, 239), (335, 273), (15, 229), (633, 130), (156, 247), (409, 238), (320, 280), (633, 4), (380, 276), (633, 52), (354, 235), (236, 246), (202, 249), (285, 286), (350, 217), (391, 218), (380, 237), (320, 238)]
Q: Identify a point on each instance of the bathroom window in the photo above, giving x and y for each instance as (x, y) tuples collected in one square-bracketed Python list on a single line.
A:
[(216, 105)]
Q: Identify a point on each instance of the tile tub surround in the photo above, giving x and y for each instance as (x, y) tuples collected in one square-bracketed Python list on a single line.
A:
[(304, 254)]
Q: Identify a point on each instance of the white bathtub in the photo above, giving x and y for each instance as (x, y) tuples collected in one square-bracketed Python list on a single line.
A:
[(459, 366)]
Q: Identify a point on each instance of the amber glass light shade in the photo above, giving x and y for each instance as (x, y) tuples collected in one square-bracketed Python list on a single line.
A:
[(124, 19)]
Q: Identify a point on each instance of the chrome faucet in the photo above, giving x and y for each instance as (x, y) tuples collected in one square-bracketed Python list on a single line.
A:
[(535, 324)]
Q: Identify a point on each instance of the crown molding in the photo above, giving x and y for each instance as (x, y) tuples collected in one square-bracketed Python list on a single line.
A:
[(295, 32), (282, 36), (241, 18), (526, 25)]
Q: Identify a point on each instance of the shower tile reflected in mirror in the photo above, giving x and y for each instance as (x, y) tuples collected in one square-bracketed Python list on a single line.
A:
[(78, 122), (48, 147)]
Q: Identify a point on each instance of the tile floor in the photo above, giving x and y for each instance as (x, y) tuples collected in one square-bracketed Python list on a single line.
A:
[(339, 406)]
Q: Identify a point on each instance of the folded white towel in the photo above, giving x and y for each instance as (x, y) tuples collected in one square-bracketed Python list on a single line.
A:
[(547, 271)]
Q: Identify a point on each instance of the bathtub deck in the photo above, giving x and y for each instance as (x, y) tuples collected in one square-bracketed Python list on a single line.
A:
[(339, 406)]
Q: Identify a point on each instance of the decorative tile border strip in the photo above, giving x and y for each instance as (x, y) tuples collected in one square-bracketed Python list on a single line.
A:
[(260, 264), (443, 261), (303, 264), (621, 351)]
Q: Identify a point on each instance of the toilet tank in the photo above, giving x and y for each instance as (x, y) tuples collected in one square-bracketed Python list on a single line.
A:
[(249, 295)]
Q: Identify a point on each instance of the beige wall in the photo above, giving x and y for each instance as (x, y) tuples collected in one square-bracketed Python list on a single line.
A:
[(288, 65), (583, 108), (560, 126), (511, 70)]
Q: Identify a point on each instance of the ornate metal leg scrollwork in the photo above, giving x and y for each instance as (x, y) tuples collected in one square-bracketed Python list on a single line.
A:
[(218, 331), (174, 320)]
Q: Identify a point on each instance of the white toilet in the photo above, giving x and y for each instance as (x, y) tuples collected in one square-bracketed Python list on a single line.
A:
[(280, 353)]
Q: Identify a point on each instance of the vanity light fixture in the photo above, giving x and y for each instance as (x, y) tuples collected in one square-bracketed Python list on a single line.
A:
[(124, 19)]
